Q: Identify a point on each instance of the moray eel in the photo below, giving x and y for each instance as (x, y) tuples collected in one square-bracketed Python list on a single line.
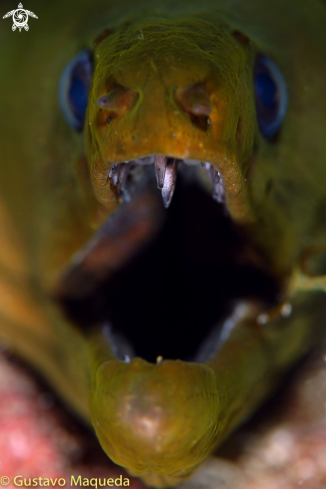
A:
[(162, 213)]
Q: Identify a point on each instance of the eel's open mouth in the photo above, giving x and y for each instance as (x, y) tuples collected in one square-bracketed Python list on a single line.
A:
[(166, 282)]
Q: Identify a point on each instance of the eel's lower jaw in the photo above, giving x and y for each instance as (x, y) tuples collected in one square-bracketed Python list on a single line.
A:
[(240, 311), (159, 421)]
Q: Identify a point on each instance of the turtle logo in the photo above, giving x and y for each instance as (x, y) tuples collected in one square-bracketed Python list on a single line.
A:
[(20, 18)]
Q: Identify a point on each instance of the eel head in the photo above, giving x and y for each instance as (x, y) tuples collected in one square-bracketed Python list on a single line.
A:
[(183, 154)]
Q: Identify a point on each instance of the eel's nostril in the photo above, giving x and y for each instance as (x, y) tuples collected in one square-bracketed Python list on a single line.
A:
[(118, 99), (195, 101)]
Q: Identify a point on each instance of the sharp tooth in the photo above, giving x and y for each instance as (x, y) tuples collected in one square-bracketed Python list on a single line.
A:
[(208, 169), (217, 177), (114, 174), (218, 189), (170, 179), (123, 175), (218, 193), (214, 175), (160, 165), (119, 175), (205, 165)]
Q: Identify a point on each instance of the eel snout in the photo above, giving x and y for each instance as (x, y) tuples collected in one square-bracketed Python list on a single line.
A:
[(173, 98)]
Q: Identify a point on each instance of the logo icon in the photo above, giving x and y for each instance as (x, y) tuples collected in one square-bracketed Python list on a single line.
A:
[(20, 18)]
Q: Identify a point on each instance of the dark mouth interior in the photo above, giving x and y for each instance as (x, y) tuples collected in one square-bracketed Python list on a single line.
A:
[(179, 288)]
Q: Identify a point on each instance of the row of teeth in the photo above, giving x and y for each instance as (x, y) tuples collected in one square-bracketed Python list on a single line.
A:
[(166, 176)]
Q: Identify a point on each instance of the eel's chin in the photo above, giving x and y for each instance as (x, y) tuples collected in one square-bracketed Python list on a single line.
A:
[(156, 419), (167, 282)]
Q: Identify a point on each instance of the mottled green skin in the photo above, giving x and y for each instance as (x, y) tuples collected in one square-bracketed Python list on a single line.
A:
[(50, 205)]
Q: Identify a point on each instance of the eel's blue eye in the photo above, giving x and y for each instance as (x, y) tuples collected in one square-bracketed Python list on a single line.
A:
[(74, 86), (271, 95)]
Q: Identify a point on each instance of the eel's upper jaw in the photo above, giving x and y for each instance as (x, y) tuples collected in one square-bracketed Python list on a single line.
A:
[(186, 105), (166, 176)]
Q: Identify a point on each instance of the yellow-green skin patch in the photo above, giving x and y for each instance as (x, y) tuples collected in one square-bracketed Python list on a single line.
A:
[(160, 421)]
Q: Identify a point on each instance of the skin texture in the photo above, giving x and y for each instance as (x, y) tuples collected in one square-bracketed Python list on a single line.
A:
[(55, 194)]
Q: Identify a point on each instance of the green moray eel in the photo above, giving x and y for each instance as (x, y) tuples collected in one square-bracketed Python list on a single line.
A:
[(233, 93)]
